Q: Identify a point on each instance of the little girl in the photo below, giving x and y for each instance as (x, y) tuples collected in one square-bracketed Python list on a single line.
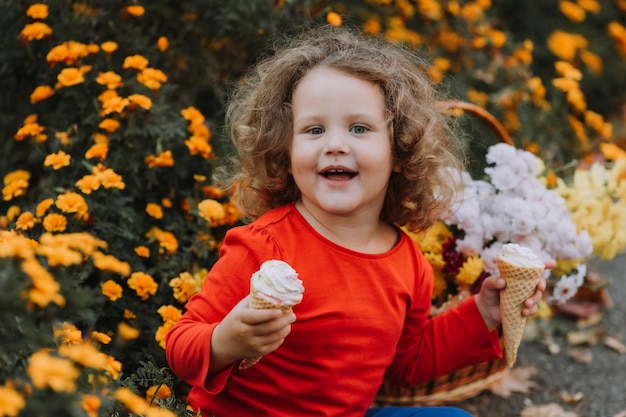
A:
[(340, 143)]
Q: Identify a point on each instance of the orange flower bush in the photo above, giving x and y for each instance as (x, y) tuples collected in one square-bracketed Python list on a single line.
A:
[(110, 114)]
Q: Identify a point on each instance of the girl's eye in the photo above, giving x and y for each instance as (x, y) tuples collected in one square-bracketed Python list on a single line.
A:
[(358, 129), (316, 131)]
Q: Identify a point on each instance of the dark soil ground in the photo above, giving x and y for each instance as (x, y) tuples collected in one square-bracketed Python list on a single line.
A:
[(595, 387)]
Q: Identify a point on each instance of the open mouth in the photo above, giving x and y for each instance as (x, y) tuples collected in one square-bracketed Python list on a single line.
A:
[(338, 174)]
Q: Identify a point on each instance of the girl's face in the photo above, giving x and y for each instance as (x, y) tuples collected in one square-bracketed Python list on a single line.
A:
[(341, 157)]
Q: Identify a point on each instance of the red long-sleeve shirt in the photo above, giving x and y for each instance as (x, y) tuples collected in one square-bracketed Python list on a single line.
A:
[(363, 317)]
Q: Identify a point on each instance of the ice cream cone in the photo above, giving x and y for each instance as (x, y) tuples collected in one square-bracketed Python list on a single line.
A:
[(282, 288), (520, 285)]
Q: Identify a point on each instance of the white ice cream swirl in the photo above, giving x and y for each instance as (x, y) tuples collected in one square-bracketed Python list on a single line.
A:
[(278, 281), (521, 256)]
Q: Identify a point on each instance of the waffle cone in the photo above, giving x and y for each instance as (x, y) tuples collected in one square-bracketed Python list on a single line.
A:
[(258, 302), (520, 285)]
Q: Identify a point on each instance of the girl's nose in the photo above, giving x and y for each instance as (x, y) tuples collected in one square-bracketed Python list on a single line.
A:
[(335, 142)]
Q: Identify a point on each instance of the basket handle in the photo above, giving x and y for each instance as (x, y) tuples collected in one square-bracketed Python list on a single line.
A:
[(476, 110)]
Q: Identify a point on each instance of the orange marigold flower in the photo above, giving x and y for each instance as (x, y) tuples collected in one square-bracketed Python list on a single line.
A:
[(139, 100), (158, 392), (333, 19), (184, 286), (71, 202), (129, 315), (212, 211), (57, 160), (115, 104), (45, 289), (67, 52), (164, 159), (110, 79), (93, 48), (112, 290), (593, 62), (154, 210), (143, 284), (166, 202), (198, 146), (88, 184), (572, 11), (152, 78), (110, 263), (163, 43), (70, 76), (98, 150), (127, 332), (54, 222), (67, 334), (100, 337), (37, 11), (35, 31), (213, 191), (108, 178), (167, 240), (41, 93), (26, 221), (563, 45), (142, 251), (29, 129), (107, 95), (47, 371), (161, 334), (192, 115), (137, 62), (85, 354), (14, 189), (17, 175), (135, 10), (90, 404), (110, 125), (63, 137), (170, 313), (43, 206), (108, 47), (11, 401)]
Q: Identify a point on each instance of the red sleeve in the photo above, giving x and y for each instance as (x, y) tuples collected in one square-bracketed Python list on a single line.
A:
[(431, 347), (188, 343)]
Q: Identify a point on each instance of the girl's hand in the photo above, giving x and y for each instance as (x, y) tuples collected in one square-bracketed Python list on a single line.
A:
[(488, 299), (247, 333)]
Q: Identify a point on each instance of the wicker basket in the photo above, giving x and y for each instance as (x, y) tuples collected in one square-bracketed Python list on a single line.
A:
[(466, 382)]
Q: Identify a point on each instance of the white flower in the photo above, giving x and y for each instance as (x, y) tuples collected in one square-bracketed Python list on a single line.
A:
[(568, 285)]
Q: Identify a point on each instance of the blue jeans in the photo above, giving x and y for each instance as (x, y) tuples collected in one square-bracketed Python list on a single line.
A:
[(417, 412)]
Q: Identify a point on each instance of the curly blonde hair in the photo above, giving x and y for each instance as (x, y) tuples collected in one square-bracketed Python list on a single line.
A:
[(259, 117)]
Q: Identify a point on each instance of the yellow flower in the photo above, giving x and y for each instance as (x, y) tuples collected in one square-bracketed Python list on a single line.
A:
[(107, 95), (333, 19), (43, 206), (164, 159), (70, 76), (71, 202), (440, 285), (161, 334), (41, 93), (572, 11), (135, 10), (29, 129), (192, 115), (167, 240), (212, 211), (37, 11), (47, 371), (170, 313), (57, 160), (85, 354), (110, 125), (112, 290), (185, 285), (470, 271), (36, 30), (26, 221), (143, 284), (11, 401), (54, 222), (88, 184), (108, 47), (142, 251), (109, 79), (152, 78), (159, 392), (67, 334), (154, 210), (563, 45), (98, 150), (100, 337), (63, 137), (108, 178), (137, 62), (90, 404), (139, 100), (115, 104), (198, 146), (163, 43), (127, 332), (110, 263)]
